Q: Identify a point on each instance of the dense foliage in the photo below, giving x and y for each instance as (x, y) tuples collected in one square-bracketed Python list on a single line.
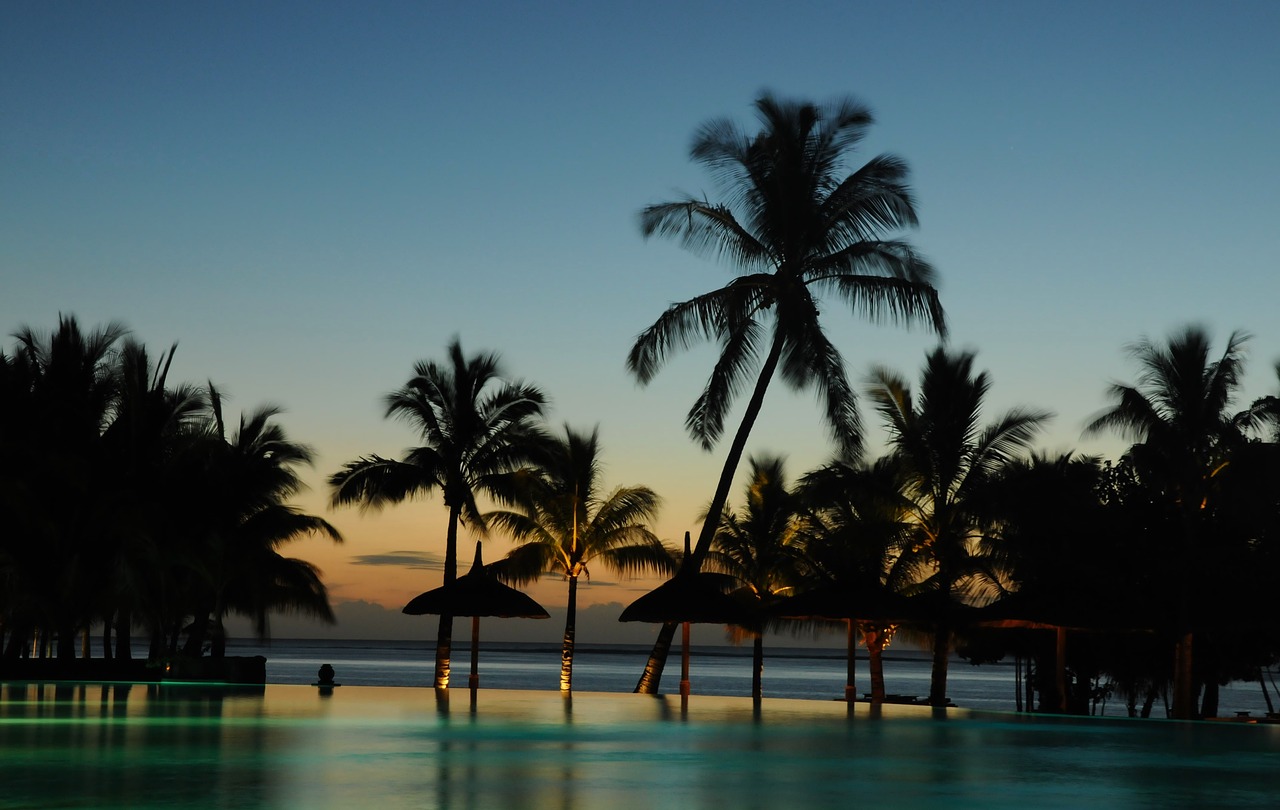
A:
[(126, 505)]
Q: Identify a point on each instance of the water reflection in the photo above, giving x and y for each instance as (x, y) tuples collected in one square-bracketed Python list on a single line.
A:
[(164, 746)]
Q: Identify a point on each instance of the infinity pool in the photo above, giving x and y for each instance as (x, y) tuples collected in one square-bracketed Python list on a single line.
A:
[(115, 746)]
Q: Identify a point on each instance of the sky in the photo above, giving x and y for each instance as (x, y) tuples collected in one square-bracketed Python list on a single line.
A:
[(309, 198)]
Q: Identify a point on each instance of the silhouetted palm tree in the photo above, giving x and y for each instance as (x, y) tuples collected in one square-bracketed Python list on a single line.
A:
[(474, 428), (1179, 414), (760, 547), (566, 524), (153, 426), (948, 458), (71, 381), (858, 526), (252, 474), (798, 227)]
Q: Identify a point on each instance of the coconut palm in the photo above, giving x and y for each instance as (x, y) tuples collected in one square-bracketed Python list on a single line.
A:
[(566, 523), (69, 381), (948, 459), (250, 477), (761, 548), (153, 426), (798, 226), (857, 528), (1179, 414), (474, 427)]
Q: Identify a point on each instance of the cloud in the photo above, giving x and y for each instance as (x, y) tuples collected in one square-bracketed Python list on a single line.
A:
[(417, 560)]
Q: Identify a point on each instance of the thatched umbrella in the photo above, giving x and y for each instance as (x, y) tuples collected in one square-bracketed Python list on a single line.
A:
[(689, 596), (476, 593)]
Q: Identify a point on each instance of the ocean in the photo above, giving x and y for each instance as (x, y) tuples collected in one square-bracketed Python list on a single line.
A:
[(789, 672)]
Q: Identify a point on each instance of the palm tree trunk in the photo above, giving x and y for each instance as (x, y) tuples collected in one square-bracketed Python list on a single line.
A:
[(874, 637), (124, 629), (1209, 704), (757, 667), (19, 635), (444, 636), (662, 646), (736, 449), (444, 643), (1183, 672), (570, 628), (1183, 683), (941, 656), (651, 678), (66, 643)]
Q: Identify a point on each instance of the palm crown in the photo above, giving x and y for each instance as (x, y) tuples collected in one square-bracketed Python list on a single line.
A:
[(799, 227)]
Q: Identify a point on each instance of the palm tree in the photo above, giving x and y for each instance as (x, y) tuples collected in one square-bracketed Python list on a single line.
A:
[(1179, 416), (761, 548), (798, 227), (948, 459), (153, 426), (251, 476), (474, 427), (69, 381), (857, 530), (566, 523)]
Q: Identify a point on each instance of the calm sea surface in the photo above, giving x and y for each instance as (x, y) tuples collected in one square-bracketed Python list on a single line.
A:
[(815, 674)]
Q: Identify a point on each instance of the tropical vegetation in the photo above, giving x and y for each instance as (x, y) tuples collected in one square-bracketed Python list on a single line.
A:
[(565, 521), (476, 428), (128, 507), (130, 504), (800, 227)]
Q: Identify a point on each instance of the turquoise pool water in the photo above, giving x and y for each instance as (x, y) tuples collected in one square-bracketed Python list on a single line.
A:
[(379, 748)]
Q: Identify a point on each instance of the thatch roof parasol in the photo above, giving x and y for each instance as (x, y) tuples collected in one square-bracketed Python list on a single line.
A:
[(476, 593)]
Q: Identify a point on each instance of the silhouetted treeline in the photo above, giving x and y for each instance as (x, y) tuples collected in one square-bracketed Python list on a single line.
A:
[(127, 504)]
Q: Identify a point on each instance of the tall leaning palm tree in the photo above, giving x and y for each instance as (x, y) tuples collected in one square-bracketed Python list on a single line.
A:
[(949, 460), (566, 523), (475, 427), (1179, 414), (797, 225)]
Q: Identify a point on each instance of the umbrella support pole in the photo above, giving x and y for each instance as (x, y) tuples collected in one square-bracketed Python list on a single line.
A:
[(474, 681)]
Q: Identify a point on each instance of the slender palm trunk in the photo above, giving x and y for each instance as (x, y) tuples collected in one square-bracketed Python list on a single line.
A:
[(1183, 682), (874, 637), (570, 629), (1209, 702), (662, 646), (651, 678), (66, 642), (124, 629), (1183, 673), (941, 657), (757, 667), (1060, 669), (444, 635)]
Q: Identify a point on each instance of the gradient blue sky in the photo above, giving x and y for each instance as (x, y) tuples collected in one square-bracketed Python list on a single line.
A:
[(310, 197)]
